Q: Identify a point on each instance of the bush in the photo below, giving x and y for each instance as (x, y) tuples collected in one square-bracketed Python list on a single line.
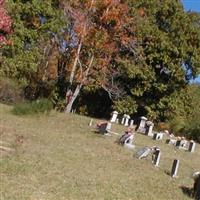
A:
[(34, 107), (10, 92)]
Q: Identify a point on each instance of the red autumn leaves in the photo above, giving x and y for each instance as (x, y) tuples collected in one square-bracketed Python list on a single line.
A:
[(5, 25)]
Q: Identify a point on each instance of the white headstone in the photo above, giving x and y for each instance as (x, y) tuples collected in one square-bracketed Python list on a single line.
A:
[(114, 116), (131, 122), (175, 167), (127, 120), (149, 128), (108, 127)]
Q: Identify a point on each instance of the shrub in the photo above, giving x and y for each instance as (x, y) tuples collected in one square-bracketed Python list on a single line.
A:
[(10, 92), (34, 107)]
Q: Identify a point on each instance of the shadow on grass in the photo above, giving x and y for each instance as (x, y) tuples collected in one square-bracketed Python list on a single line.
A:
[(167, 172), (187, 191)]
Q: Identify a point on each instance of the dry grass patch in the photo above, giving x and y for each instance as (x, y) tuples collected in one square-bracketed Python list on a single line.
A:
[(61, 158)]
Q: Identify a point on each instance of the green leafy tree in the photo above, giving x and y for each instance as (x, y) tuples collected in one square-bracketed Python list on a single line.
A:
[(34, 23), (163, 57)]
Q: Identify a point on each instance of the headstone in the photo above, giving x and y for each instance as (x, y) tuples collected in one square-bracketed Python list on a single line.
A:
[(131, 122), (143, 153), (142, 125), (158, 136), (90, 124), (156, 160), (192, 146), (114, 116), (171, 141), (175, 167), (105, 128), (123, 119), (117, 120), (127, 120), (149, 128), (181, 144)]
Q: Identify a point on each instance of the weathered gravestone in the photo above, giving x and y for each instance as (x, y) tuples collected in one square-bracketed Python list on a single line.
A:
[(143, 153), (114, 116), (175, 167), (156, 159), (158, 136), (181, 144), (192, 146), (104, 128), (129, 142), (149, 128), (171, 141), (142, 125)]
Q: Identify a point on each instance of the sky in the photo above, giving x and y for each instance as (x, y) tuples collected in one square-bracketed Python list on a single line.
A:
[(193, 5)]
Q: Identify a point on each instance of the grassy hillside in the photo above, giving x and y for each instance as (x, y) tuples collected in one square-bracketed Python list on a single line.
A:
[(59, 157)]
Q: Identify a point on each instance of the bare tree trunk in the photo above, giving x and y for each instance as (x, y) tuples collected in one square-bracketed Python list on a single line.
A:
[(78, 88), (75, 62), (74, 96)]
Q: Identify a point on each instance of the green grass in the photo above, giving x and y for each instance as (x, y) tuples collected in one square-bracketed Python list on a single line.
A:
[(59, 157), (32, 108)]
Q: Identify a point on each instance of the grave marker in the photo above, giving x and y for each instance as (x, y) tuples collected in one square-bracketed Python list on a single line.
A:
[(114, 116), (127, 120), (158, 136), (149, 128), (175, 167), (105, 128), (131, 122), (90, 124), (157, 157), (142, 125), (192, 146), (123, 119)]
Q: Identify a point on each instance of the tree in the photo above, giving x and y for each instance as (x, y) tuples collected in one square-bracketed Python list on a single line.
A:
[(98, 27), (163, 58), (5, 24), (35, 24)]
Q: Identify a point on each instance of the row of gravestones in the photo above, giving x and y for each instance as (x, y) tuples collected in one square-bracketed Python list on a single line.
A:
[(146, 127), (106, 128), (125, 119)]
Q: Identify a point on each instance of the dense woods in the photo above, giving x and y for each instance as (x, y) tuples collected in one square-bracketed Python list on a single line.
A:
[(95, 56)]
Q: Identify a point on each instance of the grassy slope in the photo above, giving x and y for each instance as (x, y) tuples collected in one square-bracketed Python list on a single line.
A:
[(60, 158)]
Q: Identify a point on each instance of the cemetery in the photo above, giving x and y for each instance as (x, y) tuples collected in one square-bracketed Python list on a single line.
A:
[(99, 100), (66, 156)]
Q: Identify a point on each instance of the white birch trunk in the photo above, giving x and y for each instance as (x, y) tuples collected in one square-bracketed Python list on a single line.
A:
[(74, 96), (78, 88)]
